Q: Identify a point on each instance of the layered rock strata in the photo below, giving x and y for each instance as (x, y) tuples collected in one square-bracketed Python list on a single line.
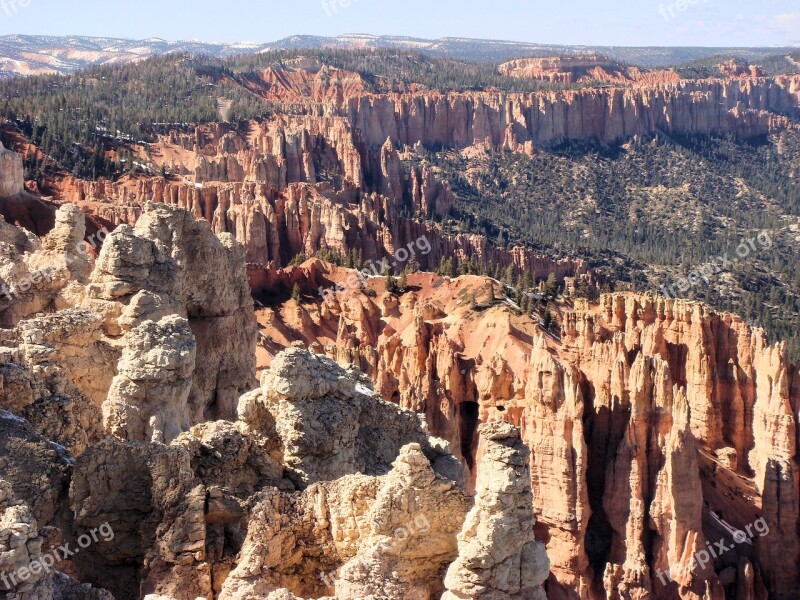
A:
[(658, 428), (365, 501)]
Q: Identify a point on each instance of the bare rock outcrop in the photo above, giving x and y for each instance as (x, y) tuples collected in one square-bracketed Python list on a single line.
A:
[(11, 174), (88, 324), (37, 468), (656, 426), (329, 425), (148, 399), (301, 185), (56, 373), (357, 537), (171, 263), (498, 556), (27, 570), (35, 273), (411, 536), (156, 508)]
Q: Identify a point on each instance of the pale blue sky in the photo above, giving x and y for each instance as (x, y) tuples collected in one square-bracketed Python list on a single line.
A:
[(591, 22)]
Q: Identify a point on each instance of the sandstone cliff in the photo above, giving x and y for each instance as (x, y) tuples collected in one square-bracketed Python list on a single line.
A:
[(340, 176), (741, 106), (587, 69), (658, 428)]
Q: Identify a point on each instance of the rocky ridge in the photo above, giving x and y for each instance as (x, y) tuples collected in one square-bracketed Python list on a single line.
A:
[(586, 69), (297, 186), (137, 372)]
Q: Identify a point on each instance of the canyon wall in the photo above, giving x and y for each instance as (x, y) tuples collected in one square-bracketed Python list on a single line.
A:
[(343, 176), (302, 185), (658, 428), (745, 107)]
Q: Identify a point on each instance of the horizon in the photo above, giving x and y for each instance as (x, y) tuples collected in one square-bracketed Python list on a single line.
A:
[(627, 23), (378, 36)]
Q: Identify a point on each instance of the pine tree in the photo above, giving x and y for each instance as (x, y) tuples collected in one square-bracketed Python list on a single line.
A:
[(446, 268), (296, 293), (508, 275), (391, 284), (526, 283), (551, 286)]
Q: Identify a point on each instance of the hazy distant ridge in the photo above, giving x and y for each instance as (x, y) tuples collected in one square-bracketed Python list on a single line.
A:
[(28, 54)]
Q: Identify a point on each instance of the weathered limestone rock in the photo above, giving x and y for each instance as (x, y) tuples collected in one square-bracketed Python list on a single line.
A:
[(20, 545), (64, 247), (11, 173), (412, 534), (27, 570), (37, 469), (357, 537), (33, 274), (67, 353), (148, 399), (156, 507), (329, 425), (498, 556), (172, 262), (223, 456)]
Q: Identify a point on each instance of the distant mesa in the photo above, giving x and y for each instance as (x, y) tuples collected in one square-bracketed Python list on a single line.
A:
[(590, 68)]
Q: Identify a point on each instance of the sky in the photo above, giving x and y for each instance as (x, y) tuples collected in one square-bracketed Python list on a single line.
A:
[(578, 22)]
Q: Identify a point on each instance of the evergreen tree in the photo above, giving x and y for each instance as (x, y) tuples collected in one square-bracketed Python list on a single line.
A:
[(551, 286), (402, 282), (296, 293), (391, 284)]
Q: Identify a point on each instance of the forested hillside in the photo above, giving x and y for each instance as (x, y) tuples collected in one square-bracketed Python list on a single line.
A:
[(650, 213)]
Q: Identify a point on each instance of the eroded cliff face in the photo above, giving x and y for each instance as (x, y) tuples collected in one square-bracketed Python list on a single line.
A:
[(586, 69), (659, 429), (341, 171), (301, 185), (510, 121), (11, 174), (313, 487)]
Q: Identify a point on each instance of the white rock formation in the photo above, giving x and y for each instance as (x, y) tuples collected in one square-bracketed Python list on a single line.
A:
[(148, 399), (330, 425), (498, 556)]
